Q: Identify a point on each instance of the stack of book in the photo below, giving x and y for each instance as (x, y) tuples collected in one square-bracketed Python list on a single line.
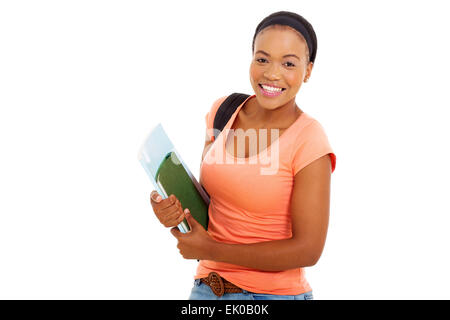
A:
[(170, 175)]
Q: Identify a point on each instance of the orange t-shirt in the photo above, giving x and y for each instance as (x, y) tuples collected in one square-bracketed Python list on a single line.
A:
[(250, 201)]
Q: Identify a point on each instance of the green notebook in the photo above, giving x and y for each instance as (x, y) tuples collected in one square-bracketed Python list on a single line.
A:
[(172, 177)]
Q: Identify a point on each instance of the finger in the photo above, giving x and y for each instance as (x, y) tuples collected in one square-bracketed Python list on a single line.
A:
[(174, 220), (167, 203), (171, 213), (181, 218), (154, 196), (174, 215), (191, 220), (168, 211), (176, 233)]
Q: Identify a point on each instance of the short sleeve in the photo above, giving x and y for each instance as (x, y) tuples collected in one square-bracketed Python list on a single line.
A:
[(210, 115), (311, 144)]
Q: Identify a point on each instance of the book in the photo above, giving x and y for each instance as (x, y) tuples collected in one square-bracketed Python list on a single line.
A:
[(170, 175)]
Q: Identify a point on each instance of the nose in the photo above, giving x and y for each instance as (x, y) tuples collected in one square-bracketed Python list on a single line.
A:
[(272, 72)]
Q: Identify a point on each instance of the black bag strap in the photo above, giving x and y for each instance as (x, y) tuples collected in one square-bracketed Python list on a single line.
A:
[(226, 110)]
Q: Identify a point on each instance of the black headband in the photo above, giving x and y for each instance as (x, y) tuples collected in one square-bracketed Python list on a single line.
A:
[(293, 23)]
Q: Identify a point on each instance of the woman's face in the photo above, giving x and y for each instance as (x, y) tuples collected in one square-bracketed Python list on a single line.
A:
[(279, 59)]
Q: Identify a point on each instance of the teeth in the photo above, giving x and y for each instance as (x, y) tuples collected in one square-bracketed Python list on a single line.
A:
[(271, 88)]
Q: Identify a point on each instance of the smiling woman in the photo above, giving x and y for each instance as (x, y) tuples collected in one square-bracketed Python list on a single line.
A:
[(264, 228)]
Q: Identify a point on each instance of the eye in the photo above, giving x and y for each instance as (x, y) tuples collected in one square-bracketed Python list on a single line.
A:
[(290, 64), (258, 60)]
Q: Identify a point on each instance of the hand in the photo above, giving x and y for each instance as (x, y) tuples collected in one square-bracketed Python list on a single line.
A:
[(195, 244), (169, 211)]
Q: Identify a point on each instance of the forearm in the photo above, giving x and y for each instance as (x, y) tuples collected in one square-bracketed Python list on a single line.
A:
[(274, 255)]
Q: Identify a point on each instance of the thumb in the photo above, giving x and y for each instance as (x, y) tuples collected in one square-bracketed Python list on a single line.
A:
[(192, 222), (155, 196)]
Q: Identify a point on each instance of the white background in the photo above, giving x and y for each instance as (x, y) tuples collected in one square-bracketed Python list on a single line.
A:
[(83, 82)]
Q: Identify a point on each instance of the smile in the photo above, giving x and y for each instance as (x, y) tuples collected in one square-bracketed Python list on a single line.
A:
[(270, 91)]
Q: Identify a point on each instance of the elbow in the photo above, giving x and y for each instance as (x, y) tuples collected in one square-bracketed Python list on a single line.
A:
[(313, 255), (308, 255), (309, 260), (312, 260)]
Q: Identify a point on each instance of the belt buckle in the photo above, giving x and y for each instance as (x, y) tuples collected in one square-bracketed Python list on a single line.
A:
[(216, 284)]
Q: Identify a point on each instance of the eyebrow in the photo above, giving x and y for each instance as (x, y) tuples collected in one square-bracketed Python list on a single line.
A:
[(287, 55)]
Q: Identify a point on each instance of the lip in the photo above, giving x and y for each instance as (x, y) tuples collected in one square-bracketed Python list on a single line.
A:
[(270, 94), (271, 85)]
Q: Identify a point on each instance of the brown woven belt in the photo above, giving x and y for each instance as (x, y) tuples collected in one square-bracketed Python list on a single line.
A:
[(219, 285)]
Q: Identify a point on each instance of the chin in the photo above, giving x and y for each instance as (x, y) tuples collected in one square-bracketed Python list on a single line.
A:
[(268, 103)]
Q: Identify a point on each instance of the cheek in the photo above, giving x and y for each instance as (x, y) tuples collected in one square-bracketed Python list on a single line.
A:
[(256, 72), (294, 79)]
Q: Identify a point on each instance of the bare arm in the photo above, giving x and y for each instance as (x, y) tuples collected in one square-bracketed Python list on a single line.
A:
[(310, 212)]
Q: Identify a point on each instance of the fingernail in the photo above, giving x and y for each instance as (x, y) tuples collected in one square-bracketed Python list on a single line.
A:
[(158, 198), (186, 210)]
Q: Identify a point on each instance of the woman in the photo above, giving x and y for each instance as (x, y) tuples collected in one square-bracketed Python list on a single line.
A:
[(265, 226)]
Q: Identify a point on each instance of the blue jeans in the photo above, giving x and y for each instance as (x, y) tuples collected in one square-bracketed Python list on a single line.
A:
[(201, 291)]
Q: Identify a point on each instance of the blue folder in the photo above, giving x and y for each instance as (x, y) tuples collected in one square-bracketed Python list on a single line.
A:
[(170, 175)]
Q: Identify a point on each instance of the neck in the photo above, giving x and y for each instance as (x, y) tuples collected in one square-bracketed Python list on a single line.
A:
[(278, 117)]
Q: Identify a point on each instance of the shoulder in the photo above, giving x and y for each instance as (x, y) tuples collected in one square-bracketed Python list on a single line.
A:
[(213, 110), (310, 143), (210, 115), (216, 104), (309, 130)]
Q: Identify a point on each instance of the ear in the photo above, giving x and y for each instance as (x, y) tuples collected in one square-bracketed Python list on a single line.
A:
[(308, 70)]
